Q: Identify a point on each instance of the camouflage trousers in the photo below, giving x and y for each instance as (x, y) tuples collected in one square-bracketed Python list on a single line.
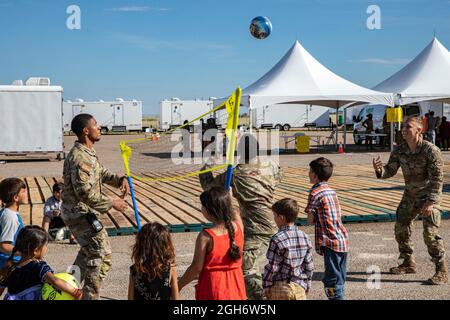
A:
[(406, 214), (253, 262), (94, 257)]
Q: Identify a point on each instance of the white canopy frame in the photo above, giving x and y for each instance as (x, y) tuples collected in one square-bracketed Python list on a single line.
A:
[(298, 78)]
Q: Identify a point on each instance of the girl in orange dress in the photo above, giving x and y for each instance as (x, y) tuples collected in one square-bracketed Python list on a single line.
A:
[(217, 260)]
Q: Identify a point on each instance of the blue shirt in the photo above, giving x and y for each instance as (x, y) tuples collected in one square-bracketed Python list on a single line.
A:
[(10, 225), (26, 276)]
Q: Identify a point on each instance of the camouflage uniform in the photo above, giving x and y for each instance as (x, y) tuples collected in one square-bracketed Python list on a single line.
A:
[(423, 174), (253, 185), (83, 177)]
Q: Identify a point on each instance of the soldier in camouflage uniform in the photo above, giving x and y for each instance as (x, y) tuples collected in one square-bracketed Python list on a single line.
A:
[(83, 178), (253, 185), (422, 168)]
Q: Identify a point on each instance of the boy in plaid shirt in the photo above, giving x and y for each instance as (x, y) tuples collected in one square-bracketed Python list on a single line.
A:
[(288, 274), (331, 237)]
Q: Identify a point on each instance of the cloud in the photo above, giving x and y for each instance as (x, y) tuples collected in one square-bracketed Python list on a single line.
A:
[(216, 52), (395, 61), (136, 9)]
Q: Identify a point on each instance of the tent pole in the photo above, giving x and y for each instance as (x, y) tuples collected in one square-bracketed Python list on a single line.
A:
[(392, 136), (345, 128), (337, 125)]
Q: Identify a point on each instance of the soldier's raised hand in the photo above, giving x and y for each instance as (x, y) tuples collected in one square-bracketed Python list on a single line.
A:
[(377, 164), (119, 205)]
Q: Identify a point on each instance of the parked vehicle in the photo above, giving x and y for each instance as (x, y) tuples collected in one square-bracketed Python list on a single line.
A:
[(378, 111), (175, 112), (287, 116), (31, 120), (118, 115)]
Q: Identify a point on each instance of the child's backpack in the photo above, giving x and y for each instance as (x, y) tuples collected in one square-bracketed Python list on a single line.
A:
[(33, 293)]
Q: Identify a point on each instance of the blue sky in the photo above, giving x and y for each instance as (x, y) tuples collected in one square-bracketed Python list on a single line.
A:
[(152, 50)]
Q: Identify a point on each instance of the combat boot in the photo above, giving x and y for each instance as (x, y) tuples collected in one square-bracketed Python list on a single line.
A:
[(441, 275), (408, 266)]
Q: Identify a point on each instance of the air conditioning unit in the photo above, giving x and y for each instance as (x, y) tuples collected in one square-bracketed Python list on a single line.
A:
[(17, 83), (37, 81)]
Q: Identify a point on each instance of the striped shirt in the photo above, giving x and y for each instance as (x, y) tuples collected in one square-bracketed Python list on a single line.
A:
[(290, 258), (324, 205)]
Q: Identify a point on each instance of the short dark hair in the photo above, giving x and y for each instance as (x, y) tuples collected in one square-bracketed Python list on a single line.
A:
[(322, 167), (9, 188), (79, 122), (287, 208), (59, 186)]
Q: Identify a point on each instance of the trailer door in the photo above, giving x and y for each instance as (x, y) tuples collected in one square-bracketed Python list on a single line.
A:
[(77, 109), (118, 115), (176, 114)]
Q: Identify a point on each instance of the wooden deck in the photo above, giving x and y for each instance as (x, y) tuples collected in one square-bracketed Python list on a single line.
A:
[(176, 204)]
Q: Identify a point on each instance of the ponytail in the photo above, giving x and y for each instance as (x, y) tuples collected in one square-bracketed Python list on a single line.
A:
[(235, 251), (9, 267), (217, 202)]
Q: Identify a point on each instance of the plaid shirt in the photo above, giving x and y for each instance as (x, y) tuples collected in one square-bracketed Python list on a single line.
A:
[(323, 204), (290, 258)]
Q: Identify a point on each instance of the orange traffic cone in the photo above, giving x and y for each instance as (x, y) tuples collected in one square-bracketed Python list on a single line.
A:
[(341, 148)]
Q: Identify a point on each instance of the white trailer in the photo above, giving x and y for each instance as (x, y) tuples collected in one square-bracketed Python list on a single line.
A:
[(287, 116), (175, 112), (118, 115), (31, 120)]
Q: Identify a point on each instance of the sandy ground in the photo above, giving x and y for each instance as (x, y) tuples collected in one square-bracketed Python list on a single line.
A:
[(372, 248), (372, 244)]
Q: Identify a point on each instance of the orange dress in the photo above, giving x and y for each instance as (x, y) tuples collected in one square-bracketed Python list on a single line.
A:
[(222, 277)]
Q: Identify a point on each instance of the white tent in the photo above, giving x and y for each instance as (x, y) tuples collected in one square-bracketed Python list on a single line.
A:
[(426, 78), (298, 78)]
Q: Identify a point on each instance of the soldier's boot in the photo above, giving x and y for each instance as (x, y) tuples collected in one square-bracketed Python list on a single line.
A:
[(441, 275), (408, 266)]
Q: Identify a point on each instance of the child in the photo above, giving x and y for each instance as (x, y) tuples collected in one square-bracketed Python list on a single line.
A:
[(217, 258), (288, 274), (153, 276), (52, 221), (13, 193), (331, 237), (24, 279)]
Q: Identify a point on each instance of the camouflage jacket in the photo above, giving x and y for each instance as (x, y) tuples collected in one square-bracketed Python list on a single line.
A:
[(253, 186), (422, 170), (83, 178)]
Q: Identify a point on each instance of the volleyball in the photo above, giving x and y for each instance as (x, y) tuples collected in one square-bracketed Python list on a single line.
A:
[(50, 293), (260, 27)]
